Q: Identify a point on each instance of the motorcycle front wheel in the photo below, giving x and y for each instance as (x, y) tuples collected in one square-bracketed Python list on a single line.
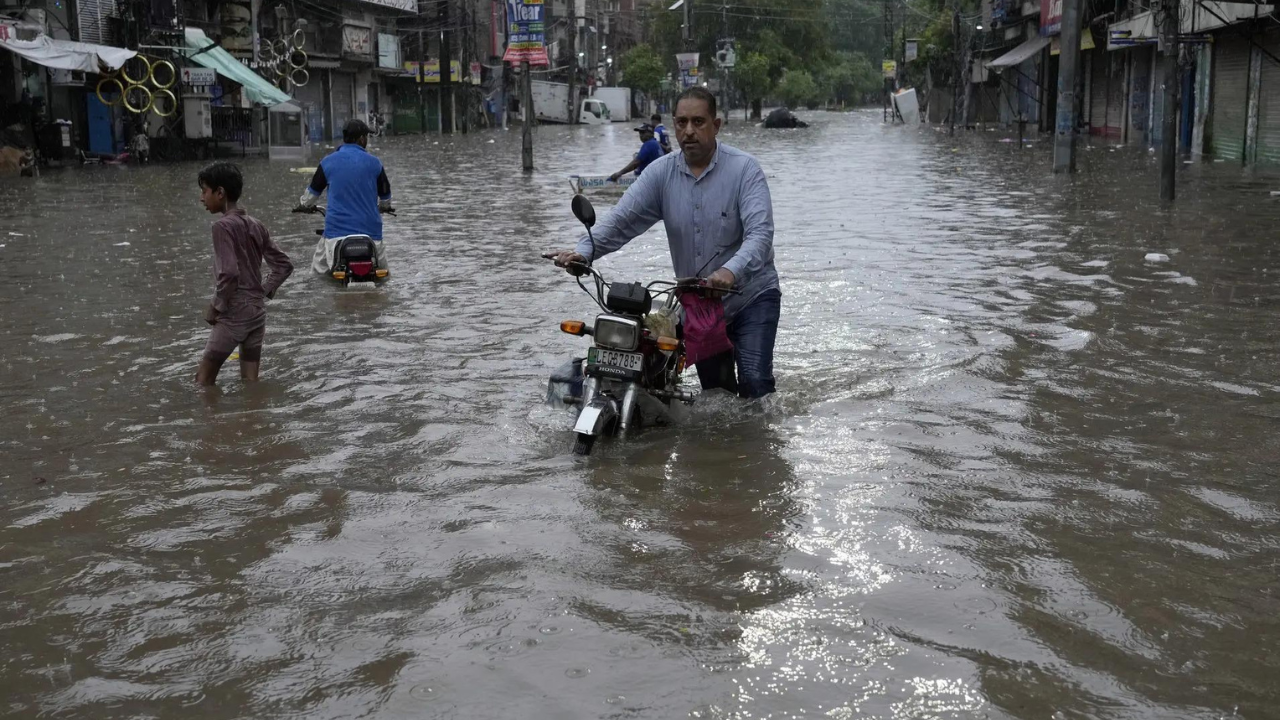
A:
[(583, 444)]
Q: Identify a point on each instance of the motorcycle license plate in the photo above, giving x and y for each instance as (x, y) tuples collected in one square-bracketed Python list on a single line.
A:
[(613, 358)]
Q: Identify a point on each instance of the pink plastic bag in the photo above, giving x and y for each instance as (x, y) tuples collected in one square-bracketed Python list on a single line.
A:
[(705, 332)]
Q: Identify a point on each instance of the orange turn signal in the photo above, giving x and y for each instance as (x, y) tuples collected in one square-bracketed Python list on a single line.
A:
[(667, 344), (339, 275), (573, 327), (380, 273)]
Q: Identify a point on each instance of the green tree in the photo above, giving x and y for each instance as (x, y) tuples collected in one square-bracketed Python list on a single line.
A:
[(642, 69), (752, 77), (797, 88)]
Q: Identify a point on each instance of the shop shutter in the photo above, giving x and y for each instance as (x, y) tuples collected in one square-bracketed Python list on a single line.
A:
[(343, 101), (1115, 94), (1140, 94), (1269, 106), (1099, 79), (310, 98), (1230, 95)]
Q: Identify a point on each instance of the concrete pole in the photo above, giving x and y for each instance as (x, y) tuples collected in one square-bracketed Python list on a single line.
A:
[(1064, 141), (573, 62), (1169, 131), (526, 103)]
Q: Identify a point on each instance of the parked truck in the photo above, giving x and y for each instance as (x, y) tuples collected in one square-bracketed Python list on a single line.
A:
[(618, 99), (551, 104)]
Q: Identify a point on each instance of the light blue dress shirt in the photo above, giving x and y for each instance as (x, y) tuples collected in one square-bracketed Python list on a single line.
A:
[(723, 219)]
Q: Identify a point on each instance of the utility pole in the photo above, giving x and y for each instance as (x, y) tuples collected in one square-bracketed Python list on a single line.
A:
[(888, 38), (573, 61), (446, 70), (955, 74), (526, 104), (1169, 130), (1064, 139)]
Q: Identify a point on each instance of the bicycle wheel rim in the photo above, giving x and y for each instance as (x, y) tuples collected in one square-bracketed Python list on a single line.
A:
[(124, 71), (130, 107)]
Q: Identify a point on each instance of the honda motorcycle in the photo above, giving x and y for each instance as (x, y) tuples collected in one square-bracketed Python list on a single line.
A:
[(631, 373), (355, 257)]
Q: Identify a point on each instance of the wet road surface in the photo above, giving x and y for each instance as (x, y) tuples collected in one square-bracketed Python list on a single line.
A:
[(1013, 469)]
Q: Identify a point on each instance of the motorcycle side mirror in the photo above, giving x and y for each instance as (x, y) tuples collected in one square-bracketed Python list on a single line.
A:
[(583, 211)]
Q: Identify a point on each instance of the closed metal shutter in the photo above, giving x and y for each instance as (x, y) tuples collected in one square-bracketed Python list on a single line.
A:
[(1230, 97), (310, 98), (1115, 94), (1140, 94), (344, 106), (1099, 68), (93, 20), (1269, 105)]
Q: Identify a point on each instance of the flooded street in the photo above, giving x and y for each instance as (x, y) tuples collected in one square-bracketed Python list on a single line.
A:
[(1013, 470)]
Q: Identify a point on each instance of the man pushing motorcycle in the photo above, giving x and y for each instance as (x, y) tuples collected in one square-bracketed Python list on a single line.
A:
[(358, 192), (714, 201)]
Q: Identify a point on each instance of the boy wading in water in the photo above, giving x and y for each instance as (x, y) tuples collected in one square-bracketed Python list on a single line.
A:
[(238, 310)]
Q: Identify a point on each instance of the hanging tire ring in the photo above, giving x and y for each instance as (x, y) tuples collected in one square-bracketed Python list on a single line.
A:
[(119, 91), (173, 103), (173, 75), (124, 71), (280, 48), (298, 59), (133, 108), (293, 77), (299, 39)]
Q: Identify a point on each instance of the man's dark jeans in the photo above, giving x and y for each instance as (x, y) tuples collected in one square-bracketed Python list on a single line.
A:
[(752, 332)]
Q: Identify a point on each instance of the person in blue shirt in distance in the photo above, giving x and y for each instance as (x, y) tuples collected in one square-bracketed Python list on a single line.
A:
[(660, 131), (359, 192), (650, 150)]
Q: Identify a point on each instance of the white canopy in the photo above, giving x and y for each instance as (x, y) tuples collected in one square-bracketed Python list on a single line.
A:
[(68, 55), (1020, 54)]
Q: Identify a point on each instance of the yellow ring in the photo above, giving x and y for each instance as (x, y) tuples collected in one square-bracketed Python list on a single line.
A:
[(124, 71), (150, 99), (103, 100), (298, 66), (173, 75), (299, 39), (306, 77), (173, 103)]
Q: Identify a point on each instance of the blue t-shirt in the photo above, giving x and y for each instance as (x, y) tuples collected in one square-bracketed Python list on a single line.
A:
[(649, 152), (356, 182), (661, 132)]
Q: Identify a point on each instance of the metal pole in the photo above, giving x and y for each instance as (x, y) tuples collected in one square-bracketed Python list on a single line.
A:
[(573, 61), (526, 103), (1064, 142), (446, 70), (955, 74), (1169, 132)]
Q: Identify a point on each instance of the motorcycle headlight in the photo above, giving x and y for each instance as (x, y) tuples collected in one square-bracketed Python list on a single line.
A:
[(617, 333)]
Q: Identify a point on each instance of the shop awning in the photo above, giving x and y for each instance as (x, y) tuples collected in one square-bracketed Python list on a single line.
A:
[(68, 55), (206, 52), (1020, 54)]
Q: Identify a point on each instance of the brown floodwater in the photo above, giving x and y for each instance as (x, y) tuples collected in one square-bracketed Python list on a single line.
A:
[(1013, 469)]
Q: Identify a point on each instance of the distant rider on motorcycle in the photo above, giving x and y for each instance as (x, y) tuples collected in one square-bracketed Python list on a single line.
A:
[(358, 192)]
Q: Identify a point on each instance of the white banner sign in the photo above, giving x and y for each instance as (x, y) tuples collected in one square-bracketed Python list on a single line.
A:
[(198, 76), (388, 51), (357, 41), (405, 5)]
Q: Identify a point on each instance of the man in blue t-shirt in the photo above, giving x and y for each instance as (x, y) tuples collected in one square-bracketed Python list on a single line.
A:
[(358, 192), (660, 131), (650, 150)]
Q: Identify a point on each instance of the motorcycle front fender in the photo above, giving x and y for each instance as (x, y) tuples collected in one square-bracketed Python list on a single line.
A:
[(597, 416)]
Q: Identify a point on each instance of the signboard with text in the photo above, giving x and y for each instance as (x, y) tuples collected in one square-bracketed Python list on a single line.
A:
[(197, 76), (1050, 17), (357, 41), (688, 63), (526, 32)]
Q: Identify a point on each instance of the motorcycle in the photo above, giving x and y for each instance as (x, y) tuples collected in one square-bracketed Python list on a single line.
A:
[(631, 374), (355, 257)]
